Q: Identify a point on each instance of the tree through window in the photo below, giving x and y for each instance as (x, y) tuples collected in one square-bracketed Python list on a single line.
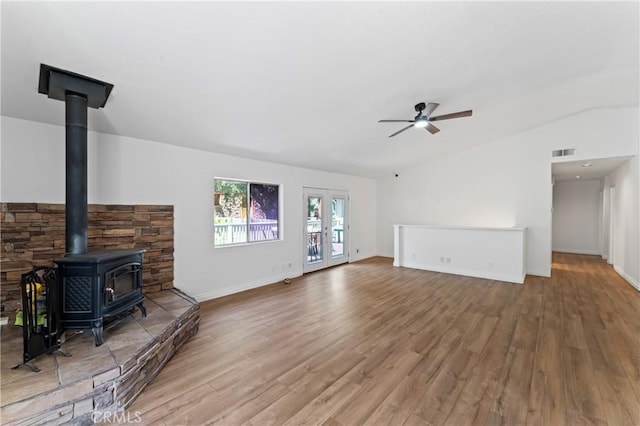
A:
[(245, 212)]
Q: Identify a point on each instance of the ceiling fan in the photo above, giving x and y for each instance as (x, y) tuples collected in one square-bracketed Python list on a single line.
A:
[(424, 118)]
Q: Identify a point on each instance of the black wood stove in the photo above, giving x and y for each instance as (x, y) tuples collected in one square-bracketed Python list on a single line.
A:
[(99, 286), (94, 287)]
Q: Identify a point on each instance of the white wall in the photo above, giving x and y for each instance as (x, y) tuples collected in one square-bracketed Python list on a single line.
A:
[(133, 171), (492, 253), (504, 183), (576, 216), (626, 234)]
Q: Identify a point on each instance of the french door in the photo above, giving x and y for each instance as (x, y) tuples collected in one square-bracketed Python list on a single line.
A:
[(326, 228)]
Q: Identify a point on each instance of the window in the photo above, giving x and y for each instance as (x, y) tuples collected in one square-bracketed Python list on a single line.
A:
[(245, 212)]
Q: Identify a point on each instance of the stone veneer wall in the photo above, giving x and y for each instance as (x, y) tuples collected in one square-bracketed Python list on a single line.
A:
[(33, 235)]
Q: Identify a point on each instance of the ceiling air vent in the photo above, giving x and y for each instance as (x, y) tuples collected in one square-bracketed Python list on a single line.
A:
[(563, 152)]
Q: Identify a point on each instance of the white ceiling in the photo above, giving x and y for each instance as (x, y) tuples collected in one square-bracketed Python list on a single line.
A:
[(304, 83), (598, 169)]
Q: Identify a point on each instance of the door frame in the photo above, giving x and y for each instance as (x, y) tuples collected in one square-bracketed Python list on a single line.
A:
[(612, 222)]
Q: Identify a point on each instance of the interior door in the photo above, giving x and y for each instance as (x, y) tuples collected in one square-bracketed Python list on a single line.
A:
[(326, 228)]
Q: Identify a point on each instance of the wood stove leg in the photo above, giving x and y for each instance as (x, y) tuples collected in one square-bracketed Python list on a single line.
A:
[(63, 352), (97, 335), (29, 364), (142, 309)]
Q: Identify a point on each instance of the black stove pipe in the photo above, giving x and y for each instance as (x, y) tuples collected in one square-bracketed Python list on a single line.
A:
[(78, 92), (76, 174)]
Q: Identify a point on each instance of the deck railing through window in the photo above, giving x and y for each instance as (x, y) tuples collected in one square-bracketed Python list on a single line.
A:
[(232, 233)]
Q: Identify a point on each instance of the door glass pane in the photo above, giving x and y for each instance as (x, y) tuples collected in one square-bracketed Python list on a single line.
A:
[(337, 227), (314, 229)]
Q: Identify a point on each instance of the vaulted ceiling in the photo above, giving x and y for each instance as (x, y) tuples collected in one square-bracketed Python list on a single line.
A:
[(304, 83)]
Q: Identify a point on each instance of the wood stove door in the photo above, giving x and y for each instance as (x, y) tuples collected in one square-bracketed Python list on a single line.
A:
[(121, 282)]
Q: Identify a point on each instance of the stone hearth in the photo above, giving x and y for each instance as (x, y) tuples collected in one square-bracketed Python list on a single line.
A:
[(94, 380)]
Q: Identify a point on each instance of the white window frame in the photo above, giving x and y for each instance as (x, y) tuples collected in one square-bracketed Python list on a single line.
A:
[(278, 225)]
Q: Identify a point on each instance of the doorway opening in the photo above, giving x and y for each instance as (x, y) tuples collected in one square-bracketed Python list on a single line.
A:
[(583, 209)]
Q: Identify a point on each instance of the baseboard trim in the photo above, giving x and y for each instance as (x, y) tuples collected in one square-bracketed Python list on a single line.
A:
[(226, 291), (468, 273), (627, 277), (540, 274), (573, 251)]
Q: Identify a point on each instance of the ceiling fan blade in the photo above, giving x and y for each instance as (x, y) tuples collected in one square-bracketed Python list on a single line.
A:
[(396, 121), (452, 115), (432, 129), (431, 106), (401, 130)]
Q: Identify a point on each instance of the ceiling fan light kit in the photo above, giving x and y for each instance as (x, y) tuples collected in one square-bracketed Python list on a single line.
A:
[(424, 118), (421, 122)]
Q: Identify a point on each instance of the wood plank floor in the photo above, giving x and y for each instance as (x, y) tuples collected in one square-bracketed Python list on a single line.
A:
[(367, 343)]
